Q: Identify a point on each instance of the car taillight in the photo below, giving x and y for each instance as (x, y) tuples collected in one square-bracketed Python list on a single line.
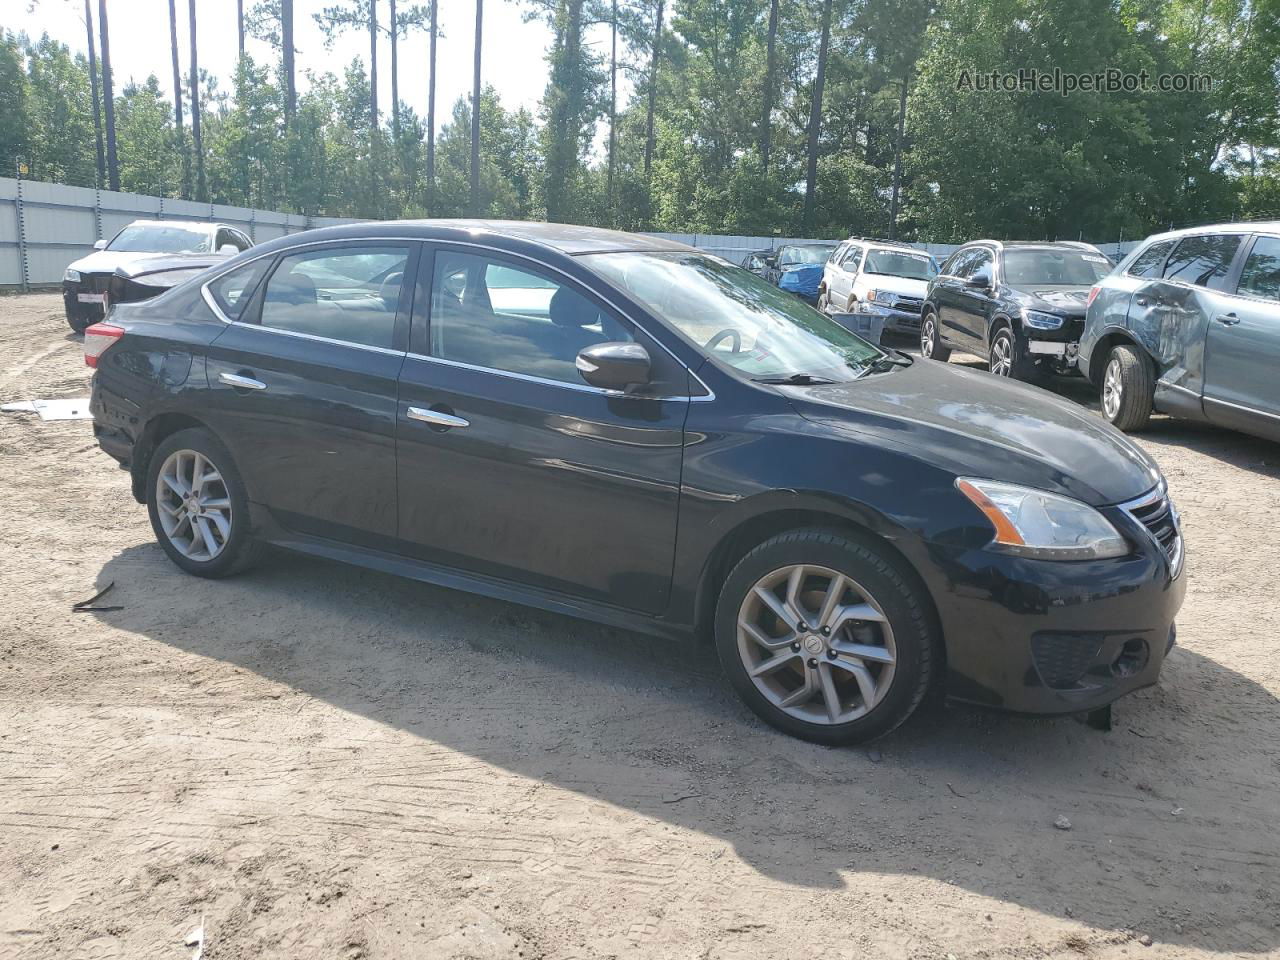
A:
[(1093, 292), (96, 340)]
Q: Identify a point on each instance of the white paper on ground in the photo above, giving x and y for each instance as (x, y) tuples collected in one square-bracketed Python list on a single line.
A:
[(71, 408)]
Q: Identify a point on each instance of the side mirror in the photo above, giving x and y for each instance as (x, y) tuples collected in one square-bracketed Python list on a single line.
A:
[(614, 366), (229, 249), (979, 281), (99, 244)]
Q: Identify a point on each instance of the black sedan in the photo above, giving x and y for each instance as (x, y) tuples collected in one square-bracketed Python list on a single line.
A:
[(624, 429)]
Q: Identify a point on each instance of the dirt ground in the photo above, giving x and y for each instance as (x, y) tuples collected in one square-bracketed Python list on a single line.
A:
[(322, 762)]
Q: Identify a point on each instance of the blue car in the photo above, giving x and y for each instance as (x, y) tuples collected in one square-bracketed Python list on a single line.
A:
[(797, 268)]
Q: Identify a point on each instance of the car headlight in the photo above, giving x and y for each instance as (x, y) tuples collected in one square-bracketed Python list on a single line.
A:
[(72, 275), (1041, 321), (1035, 523), (881, 297)]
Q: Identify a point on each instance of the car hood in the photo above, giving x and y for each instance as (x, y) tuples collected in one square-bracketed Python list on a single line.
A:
[(978, 425), (904, 286), (1063, 298), (108, 261)]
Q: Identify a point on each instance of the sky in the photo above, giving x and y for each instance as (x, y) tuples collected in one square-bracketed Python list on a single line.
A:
[(513, 57)]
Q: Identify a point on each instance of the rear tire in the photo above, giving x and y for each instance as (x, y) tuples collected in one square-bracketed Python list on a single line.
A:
[(1128, 388), (867, 657), (206, 530), (931, 338)]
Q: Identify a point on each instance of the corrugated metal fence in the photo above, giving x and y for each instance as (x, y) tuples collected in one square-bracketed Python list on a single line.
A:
[(45, 226)]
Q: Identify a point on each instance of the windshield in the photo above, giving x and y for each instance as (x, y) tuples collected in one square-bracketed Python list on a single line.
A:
[(803, 256), (737, 318), (898, 263), (1030, 268), (154, 238)]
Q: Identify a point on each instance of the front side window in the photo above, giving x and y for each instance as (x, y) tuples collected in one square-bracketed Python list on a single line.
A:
[(160, 238), (962, 265), (899, 263), (981, 263), (1035, 268), (349, 293), (1203, 261), (489, 313), (854, 260), (232, 291), (735, 317), (1261, 274), (804, 255), (1149, 262)]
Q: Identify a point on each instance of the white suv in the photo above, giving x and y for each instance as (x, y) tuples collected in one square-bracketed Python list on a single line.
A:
[(877, 277)]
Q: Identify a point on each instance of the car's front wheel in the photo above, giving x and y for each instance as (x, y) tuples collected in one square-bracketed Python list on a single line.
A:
[(198, 505), (824, 637), (79, 321), (931, 338), (1127, 388)]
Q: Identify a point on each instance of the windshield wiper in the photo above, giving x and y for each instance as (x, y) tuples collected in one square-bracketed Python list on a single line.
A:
[(795, 380), (879, 363)]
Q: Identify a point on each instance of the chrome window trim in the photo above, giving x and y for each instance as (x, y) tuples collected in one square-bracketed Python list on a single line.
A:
[(311, 336), (285, 251)]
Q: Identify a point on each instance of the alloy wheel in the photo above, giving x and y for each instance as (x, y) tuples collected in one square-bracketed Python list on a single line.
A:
[(927, 334), (1112, 389), (1001, 363), (194, 505), (816, 644)]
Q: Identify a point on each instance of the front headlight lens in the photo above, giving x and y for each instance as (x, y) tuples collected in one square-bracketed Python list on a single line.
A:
[(1041, 321), (72, 275), (1034, 523)]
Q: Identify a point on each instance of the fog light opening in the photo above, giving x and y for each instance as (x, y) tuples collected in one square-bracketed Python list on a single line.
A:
[(1131, 658)]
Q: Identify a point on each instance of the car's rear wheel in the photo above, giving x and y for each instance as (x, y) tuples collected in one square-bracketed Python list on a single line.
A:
[(824, 637), (1127, 388), (931, 338), (198, 505)]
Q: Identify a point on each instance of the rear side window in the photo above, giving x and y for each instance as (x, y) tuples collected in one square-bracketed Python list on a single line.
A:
[(350, 294), (232, 291), (1261, 274), (1148, 262), (1203, 261)]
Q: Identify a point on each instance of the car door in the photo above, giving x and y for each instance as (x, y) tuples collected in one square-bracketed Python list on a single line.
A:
[(303, 386), (973, 304), (512, 466), (848, 278), (1242, 355), (833, 276)]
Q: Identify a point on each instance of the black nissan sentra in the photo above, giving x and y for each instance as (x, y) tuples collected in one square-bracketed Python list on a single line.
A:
[(627, 430)]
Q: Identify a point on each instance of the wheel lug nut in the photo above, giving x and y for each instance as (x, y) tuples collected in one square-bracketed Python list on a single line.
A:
[(795, 648), (826, 631), (813, 663), (832, 654)]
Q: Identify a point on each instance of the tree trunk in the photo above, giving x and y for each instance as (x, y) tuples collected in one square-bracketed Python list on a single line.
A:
[(239, 24), (108, 98), (287, 52), (373, 67), (475, 114), (93, 92), (766, 115), (395, 77), (815, 118), (197, 145), (431, 115), (653, 91), (178, 127), (613, 106), (897, 156)]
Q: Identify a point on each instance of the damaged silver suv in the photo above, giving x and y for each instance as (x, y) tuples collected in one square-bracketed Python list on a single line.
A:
[(1189, 325)]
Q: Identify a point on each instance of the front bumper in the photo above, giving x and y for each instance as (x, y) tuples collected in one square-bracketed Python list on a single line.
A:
[(84, 298), (1043, 637)]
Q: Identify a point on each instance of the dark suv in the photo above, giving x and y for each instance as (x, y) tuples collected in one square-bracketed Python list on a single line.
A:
[(1019, 306), (627, 430)]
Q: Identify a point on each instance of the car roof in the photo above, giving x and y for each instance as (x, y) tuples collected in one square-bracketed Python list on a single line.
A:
[(203, 224), (568, 238), (1259, 226)]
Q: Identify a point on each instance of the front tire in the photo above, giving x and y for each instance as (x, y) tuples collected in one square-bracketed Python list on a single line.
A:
[(198, 505), (931, 339), (825, 638), (1127, 389), (1008, 357), (78, 322), (824, 304)]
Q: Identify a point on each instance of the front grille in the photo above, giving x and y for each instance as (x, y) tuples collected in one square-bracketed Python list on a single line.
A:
[(908, 304), (95, 282), (1158, 515)]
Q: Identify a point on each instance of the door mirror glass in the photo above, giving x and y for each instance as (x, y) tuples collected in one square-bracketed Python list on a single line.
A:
[(980, 280), (99, 244), (614, 365), (229, 249)]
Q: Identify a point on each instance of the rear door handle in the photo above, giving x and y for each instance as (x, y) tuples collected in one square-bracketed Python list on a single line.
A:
[(1227, 319), (241, 382), (436, 418)]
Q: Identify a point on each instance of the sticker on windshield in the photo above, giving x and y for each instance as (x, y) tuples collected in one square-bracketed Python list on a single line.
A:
[(1093, 259)]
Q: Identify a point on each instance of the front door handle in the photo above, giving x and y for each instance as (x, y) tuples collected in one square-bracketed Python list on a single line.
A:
[(436, 418), (1227, 319), (241, 382)]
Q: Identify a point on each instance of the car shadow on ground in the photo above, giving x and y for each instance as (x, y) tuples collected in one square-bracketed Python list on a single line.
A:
[(1172, 823)]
